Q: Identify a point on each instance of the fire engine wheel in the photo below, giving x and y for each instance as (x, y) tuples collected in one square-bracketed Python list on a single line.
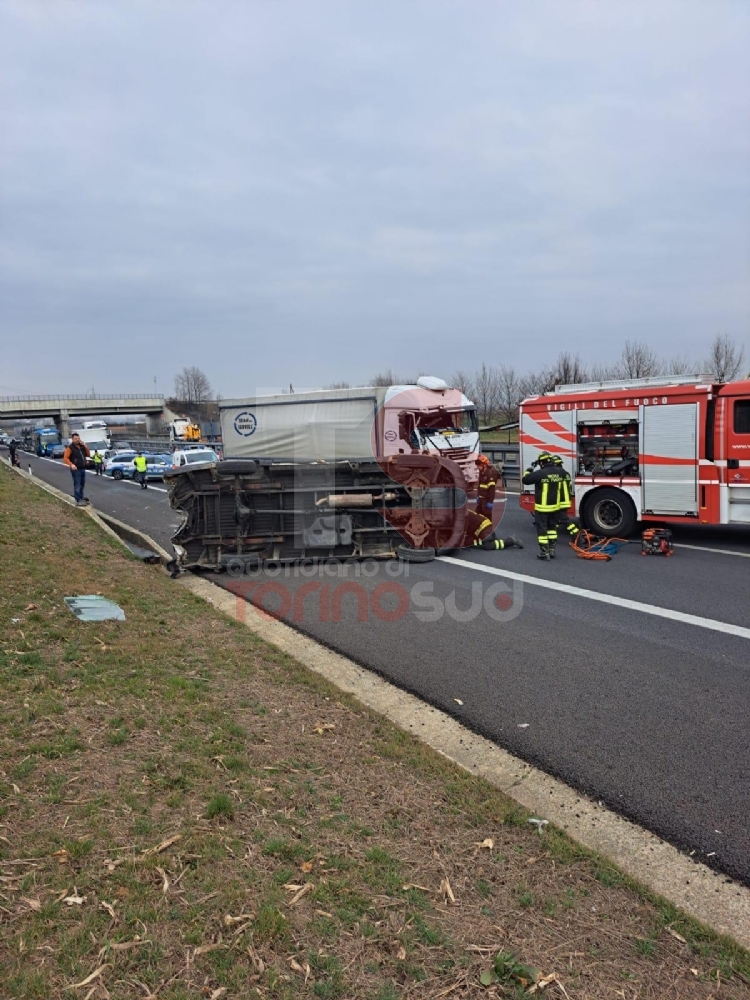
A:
[(408, 554), (610, 512)]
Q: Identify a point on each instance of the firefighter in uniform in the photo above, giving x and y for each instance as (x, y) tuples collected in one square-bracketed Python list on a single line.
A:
[(546, 482), (479, 528), (564, 523)]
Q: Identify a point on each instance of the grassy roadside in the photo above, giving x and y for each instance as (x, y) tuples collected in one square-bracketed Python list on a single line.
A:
[(186, 812)]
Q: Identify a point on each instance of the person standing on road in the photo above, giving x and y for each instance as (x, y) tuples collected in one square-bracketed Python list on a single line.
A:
[(563, 521), (546, 482), (141, 465), (98, 463), (12, 452), (75, 458)]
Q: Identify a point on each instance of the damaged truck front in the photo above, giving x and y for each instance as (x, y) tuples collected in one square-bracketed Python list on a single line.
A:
[(370, 472)]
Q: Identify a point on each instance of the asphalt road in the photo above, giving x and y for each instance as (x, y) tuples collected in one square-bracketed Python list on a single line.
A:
[(637, 704)]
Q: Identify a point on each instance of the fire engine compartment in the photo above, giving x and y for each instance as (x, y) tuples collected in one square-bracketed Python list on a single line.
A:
[(607, 448)]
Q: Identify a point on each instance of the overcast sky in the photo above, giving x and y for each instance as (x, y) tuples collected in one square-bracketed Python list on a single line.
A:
[(311, 190)]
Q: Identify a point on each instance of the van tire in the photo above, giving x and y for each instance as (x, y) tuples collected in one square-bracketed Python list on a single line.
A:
[(609, 512), (407, 554)]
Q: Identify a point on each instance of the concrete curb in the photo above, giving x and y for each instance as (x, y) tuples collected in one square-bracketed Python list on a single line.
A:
[(715, 900), (116, 529)]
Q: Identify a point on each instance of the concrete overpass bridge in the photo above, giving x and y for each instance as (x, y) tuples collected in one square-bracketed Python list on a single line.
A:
[(62, 408)]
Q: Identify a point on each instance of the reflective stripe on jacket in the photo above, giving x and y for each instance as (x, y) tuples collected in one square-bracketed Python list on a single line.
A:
[(546, 483)]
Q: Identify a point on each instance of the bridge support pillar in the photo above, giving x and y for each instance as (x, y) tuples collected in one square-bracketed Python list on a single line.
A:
[(62, 422), (155, 425)]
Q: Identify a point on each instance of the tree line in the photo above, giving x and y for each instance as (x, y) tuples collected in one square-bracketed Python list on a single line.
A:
[(497, 391)]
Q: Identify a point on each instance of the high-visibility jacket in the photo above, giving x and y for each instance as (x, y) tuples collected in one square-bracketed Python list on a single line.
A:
[(140, 463), (563, 501), (97, 458), (546, 483), (488, 476)]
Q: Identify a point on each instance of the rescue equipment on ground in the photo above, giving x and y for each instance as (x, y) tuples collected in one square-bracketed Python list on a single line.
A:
[(657, 542), (589, 546)]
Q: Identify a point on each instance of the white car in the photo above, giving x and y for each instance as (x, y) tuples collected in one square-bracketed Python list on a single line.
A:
[(192, 456)]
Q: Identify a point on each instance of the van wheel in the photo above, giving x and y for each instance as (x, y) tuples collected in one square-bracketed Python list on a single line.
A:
[(610, 512), (407, 554), (117, 474)]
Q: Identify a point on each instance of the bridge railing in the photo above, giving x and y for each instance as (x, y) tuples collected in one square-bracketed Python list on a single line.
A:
[(94, 399)]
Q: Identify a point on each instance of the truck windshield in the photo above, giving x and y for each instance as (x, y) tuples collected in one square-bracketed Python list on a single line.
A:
[(464, 421)]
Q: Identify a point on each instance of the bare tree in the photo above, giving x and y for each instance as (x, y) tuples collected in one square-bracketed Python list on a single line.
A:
[(726, 358), (638, 360), (337, 385), (603, 373), (510, 393), (486, 390), (570, 370), (537, 383), (389, 377), (191, 385), (681, 365), (463, 381)]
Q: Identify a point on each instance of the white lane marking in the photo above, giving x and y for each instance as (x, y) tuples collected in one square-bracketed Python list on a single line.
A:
[(705, 548), (618, 602), (159, 489)]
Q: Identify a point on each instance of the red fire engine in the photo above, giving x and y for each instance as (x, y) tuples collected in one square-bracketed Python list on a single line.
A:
[(671, 449)]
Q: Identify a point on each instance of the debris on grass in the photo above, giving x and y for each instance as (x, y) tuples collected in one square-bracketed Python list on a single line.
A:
[(93, 608), (538, 823)]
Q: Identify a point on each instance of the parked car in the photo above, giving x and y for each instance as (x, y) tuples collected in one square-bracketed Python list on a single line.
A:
[(120, 465), (123, 466), (191, 456)]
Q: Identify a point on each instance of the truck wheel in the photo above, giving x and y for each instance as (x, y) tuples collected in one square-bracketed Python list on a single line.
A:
[(610, 512), (117, 474), (237, 467), (408, 554)]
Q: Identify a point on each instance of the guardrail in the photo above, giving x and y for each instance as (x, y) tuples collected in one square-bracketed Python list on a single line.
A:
[(507, 454)]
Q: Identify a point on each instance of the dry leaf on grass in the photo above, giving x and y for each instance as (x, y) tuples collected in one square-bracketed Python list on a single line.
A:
[(488, 842), (74, 899), (447, 892), (296, 967), (109, 908), (401, 953), (543, 983), (165, 881), (218, 993), (33, 904), (303, 890), (306, 866), (89, 979), (62, 856), (413, 885), (204, 949), (325, 727), (162, 846), (675, 935), (119, 946), (230, 921)]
